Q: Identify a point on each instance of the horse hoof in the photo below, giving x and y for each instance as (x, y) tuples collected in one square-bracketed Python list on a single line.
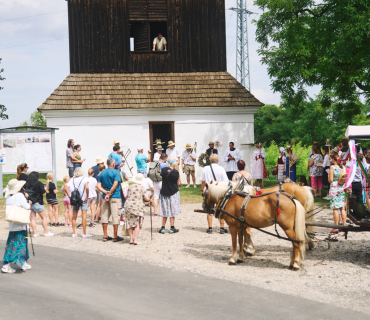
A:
[(290, 267), (231, 263), (249, 254), (311, 245), (239, 261), (295, 267)]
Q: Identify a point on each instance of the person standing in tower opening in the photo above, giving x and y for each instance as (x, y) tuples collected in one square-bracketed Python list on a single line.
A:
[(159, 43), (188, 159), (259, 169), (232, 156)]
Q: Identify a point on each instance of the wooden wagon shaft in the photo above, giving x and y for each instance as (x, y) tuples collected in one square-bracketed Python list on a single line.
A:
[(334, 226)]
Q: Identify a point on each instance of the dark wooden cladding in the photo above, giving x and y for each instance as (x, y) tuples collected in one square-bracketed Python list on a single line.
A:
[(99, 36)]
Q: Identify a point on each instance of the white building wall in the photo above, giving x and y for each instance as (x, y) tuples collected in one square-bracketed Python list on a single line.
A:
[(95, 131)]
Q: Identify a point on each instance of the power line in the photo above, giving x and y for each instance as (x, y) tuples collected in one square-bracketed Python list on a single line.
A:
[(37, 15), (28, 44)]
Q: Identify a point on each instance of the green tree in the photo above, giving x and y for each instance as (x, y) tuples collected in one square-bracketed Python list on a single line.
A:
[(272, 124), (304, 43), (37, 119), (3, 116)]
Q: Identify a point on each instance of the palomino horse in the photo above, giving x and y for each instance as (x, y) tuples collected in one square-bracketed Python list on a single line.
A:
[(260, 213), (304, 196)]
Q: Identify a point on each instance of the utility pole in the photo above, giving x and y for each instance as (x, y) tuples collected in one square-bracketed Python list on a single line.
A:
[(242, 47)]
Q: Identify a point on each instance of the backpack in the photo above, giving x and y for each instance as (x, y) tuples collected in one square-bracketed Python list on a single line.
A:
[(154, 172), (76, 199), (31, 193)]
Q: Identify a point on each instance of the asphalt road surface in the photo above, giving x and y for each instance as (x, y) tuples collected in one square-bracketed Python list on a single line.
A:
[(66, 284)]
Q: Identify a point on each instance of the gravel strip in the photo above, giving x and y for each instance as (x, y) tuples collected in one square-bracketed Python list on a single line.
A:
[(338, 275)]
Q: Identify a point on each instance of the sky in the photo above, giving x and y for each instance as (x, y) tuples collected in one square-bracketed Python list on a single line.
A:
[(35, 54)]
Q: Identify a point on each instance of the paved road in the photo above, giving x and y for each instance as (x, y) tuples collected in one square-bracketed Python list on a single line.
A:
[(66, 284)]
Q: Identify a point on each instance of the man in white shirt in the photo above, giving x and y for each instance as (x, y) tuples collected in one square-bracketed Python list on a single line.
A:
[(159, 43), (188, 159), (214, 173), (232, 156), (172, 152), (157, 155)]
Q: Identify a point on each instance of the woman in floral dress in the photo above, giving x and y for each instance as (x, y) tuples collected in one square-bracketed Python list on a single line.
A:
[(336, 192), (134, 207)]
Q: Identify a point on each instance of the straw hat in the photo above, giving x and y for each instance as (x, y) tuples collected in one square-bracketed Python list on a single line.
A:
[(138, 178), (289, 147), (157, 142), (159, 147), (211, 142), (116, 142), (100, 160), (189, 146), (334, 151), (13, 187), (342, 178), (171, 143)]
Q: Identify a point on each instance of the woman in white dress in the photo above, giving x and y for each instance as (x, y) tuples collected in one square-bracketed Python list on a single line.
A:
[(259, 157)]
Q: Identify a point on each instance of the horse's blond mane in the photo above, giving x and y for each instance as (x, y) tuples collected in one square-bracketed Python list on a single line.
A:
[(217, 190)]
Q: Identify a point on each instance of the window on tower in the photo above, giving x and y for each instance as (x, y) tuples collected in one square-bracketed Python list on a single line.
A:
[(148, 25)]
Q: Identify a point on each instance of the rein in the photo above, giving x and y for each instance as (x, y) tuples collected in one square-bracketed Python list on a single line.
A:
[(230, 193)]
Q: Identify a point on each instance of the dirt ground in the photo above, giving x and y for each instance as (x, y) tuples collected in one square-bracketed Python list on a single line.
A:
[(338, 275)]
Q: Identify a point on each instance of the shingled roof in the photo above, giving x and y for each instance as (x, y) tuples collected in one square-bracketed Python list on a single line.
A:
[(149, 90)]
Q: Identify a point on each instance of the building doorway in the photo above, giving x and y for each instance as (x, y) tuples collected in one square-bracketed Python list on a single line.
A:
[(164, 130)]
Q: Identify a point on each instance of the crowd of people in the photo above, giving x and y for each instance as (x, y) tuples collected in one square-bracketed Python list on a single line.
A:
[(107, 192)]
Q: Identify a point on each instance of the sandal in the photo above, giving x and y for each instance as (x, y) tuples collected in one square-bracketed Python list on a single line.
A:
[(117, 239), (105, 239), (91, 225), (334, 231), (59, 224)]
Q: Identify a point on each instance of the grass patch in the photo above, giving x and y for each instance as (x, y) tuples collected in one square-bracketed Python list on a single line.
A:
[(190, 195)]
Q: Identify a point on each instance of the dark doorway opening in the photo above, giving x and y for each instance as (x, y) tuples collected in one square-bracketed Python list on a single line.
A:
[(161, 130)]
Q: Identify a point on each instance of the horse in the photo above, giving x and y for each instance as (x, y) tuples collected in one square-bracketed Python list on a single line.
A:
[(304, 196), (260, 213)]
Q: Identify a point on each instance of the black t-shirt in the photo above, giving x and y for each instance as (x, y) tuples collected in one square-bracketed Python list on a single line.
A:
[(39, 190), (23, 177), (169, 184), (51, 194)]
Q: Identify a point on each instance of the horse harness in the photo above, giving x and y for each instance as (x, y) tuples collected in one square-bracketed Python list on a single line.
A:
[(238, 191)]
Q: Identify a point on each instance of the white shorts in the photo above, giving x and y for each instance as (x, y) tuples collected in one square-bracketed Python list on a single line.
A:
[(157, 189)]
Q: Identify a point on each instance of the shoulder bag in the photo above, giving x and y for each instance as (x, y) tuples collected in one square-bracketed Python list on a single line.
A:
[(17, 214), (124, 186), (214, 177)]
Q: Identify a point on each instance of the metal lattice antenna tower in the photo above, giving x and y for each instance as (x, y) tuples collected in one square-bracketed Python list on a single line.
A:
[(242, 50)]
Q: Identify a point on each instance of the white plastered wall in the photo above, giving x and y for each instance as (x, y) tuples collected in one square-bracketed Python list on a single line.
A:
[(95, 131)]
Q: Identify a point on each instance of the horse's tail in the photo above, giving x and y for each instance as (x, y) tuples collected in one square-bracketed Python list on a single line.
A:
[(310, 204), (300, 227)]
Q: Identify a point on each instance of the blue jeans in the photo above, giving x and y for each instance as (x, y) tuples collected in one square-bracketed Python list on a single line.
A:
[(83, 207)]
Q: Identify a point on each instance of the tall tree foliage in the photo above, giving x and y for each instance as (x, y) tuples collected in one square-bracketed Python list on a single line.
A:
[(305, 43), (313, 123), (37, 119), (3, 116)]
